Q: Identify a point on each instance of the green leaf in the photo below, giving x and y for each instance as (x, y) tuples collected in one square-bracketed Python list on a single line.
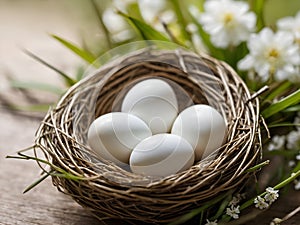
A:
[(80, 73), (36, 183), (285, 153), (283, 125), (181, 21), (68, 80), (284, 103), (146, 31), (222, 207), (197, 211), (295, 108), (277, 90), (30, 108), (103, 28), (258, 166), (258, 7), (85, 55), (37, 86)]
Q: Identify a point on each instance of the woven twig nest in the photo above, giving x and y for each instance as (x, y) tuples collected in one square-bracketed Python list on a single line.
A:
[(113, 192)]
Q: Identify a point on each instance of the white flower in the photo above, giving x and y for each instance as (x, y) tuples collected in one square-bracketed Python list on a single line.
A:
[(211, 222), (291, 163), (293, 139), (233, 212), (291, 24), (191, 28), (260, 203), (151, 8), (276, 143), (272, 195), (294, 76), (236, 199), (271, 53), (276, 221), (116, 25), (297, 185), (228, 22), (122, 4)]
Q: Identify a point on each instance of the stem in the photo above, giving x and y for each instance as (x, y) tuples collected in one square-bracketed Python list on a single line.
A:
[(102, 25), (277, 187)]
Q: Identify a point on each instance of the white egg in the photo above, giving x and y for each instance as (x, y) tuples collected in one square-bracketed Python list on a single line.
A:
[(154, 101), (161, 155), (203, 127), (114, 135)]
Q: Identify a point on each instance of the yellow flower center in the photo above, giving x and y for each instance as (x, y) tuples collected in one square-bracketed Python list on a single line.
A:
[(273, 54), (228, 19)]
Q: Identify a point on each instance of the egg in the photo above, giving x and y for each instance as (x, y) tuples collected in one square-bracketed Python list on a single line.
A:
[(154, 101), (113, 136), (203, 127), (161, 155)]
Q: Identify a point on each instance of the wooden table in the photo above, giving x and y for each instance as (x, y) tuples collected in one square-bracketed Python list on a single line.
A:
[(44, 205)]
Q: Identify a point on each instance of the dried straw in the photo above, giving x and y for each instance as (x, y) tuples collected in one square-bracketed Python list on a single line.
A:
[(111, 192)]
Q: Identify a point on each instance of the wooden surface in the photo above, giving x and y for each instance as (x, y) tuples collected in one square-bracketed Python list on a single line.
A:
[(45, 205)]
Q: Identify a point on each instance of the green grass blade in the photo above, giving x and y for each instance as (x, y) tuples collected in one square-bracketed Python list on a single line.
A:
[(178, 9), (103, 28), (277, 91), (258, 7), (68, 80), (295, 108), (197, 211), (146, 31), (284, 103), (29, 108), (37, 86), (85, 55), (223, 206), (283, 125), (258, 166), (34, 184), (80, 73)]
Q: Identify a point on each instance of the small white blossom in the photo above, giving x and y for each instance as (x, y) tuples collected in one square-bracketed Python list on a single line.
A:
[(233, 212), (211, 222), (297, 185), (276, 143), (150, 9), (191, 28), (122, 4), (235, 200), (272, 195), (276, 221), (291, 163), (260, 203), (116, 25), (291, 24), (228, 22), (293, 139), (271, 54)]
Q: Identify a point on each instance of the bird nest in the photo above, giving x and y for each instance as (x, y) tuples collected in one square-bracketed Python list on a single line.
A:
[(112, 192)]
